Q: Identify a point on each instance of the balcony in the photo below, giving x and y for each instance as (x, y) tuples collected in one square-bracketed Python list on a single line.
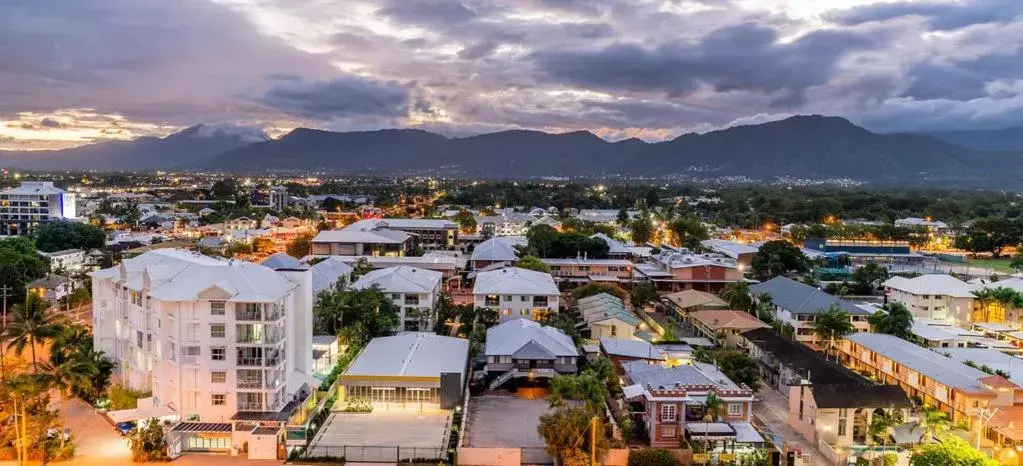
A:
[(248, 314), (250, 406)]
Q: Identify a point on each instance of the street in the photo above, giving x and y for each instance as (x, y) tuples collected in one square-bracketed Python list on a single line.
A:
[(772, 411)]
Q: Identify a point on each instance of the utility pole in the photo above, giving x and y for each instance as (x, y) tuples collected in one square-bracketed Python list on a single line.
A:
[(5, 291), (593, 441)]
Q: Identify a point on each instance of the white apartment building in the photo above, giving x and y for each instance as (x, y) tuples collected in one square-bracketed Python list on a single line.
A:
[(799, 305), (212, 338), (34, 202), (70, 261), (516, 293), (412, 289), (940, 297)]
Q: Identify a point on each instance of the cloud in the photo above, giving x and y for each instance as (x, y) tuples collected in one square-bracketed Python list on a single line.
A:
[(940, 15), (346, 97), (426, 12)]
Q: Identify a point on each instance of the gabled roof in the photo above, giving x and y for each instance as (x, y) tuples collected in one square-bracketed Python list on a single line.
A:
[(328, 271), (282, 261), (692, 298), (859, 396), (630, 348), (729, 248), (509, 337), (513, 280), (932, 284), (614, 246), (48, 282), (362, 236), (799, 298), (718, 319), (498, 248), (402, 223), (401, 279), (656, 375)]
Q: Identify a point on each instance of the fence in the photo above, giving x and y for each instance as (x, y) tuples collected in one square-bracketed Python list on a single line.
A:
[(373, 454), (535, 455)]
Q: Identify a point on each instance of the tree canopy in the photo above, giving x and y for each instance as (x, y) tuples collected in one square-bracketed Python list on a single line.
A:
[(893, 319), (533, 263), (369, 307), (546, 242), (62, 235), (950, 451), (776, 258)]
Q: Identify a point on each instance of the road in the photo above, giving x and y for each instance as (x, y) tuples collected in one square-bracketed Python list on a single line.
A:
[(773, 411)]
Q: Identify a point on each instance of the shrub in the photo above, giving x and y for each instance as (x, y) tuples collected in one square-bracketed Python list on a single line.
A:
[(652, 457), (148, 443), (122, 397)]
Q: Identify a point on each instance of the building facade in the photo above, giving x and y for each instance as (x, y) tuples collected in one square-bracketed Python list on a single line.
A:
[(798, 305), (414, 291), (23, 208), (516, 293)]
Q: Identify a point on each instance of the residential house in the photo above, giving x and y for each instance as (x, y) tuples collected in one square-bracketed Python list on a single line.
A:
[(581, 271), (51, 288), (515, 293), (798, 304), (70, 261), (934, 296), (679, 269), (674, 404), (724, 327), (496, 250), (24, 207), (524, 348), (605, 315), (955, 388), (446, 265), (332, 273), (226, 342), (414, 371), (414, 291), (687, 301), (621, 350)]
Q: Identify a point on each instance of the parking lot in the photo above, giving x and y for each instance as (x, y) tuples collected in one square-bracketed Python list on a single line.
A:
[(383, 436)]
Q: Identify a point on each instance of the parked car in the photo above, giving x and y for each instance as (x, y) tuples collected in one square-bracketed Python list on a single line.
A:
[(125, 427)]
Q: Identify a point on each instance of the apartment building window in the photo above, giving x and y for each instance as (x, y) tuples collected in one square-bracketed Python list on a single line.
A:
[(491, 300), (173, 352), (217, 308), (506, 312), (218, 377), (218, 353), (668, 413), (524, 312), (734, 409), (138, 338), (539, 301), (668, 431), (218, 399), (411, 300), (506, 299), (395, 296), (217, 330)]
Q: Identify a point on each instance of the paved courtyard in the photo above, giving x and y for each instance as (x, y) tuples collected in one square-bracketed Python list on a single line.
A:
[(508, 421), (383, 435)]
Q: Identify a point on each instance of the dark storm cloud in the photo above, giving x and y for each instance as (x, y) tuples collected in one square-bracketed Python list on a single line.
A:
[(962, 80), (346, 97), (744, 57), (941, 15)]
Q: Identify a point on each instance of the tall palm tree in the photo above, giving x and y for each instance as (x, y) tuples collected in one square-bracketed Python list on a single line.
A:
[(831, 324), (31, 324), (893, 319), (713, 407), (737, 295), (934, 422), (984, 297), (883, 423), (77, 371), (72, 339)]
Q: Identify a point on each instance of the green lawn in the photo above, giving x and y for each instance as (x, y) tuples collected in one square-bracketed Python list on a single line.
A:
[(1000, 264)]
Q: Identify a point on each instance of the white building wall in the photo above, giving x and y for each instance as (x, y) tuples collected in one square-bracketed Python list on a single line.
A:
[(517, 306)]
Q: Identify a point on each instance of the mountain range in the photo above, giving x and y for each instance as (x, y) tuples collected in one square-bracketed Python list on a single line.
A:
[(810, 146)]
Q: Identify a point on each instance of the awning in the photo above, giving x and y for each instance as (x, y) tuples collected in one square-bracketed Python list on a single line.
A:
[(603, 278), (137, 414), (746, 433), (710, 429), (202, 427), (632, 391)]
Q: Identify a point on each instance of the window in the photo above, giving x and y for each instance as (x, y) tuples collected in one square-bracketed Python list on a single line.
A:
[(395, 296), (218, 399), (668, 413), (524, 312), (217, 330), (506, 298), (217, 308), (173, 352), (506, 312), (491, 300), (734, 409), (218, 353), (138, 336), (218, 377)]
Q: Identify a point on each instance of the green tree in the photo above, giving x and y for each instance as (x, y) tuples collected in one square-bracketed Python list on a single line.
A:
[(466, 222), (642, 229), (933, 422), (566, 432), (653, 457), (300, 246), (29, 325), (148, 443), (533, 263), (61, 235), (951, 450), (776, 258), (832, 324), (869, 277), (595, 288), (1017, 263), (643, 293), (893, 319), (992, 234), (687, 232), (562, 321), (225, 189), (588, 387), (361, 267), (19, 265), (883, 424), (737, 295), (623, 217), (368, 306), (739, 368)]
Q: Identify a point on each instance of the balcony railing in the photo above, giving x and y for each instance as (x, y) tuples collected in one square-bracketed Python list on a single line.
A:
[(270, 337), (252, 384), (250, 406), (253, 315), (268, 361)]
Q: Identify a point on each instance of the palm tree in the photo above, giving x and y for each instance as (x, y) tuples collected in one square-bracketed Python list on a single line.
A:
[(72, 340), (883, 423), (894, 319), (984, 297), (31, 324), (764, 307), (737, 295), (831, 324), (77, 371), (713, 407), (934, 422)]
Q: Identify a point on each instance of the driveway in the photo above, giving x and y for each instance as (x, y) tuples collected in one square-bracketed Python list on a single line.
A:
[(773, 412)]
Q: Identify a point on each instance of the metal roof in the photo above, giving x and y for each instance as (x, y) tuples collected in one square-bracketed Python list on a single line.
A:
[(415, 354), (507, 338), (929, 363), (630, 348), (799, 298), (515, 281), (282, 261), (932, 284), (401, 279), (202, 427)]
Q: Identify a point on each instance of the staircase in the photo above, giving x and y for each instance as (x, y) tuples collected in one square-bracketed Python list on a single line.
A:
[(500, 380)]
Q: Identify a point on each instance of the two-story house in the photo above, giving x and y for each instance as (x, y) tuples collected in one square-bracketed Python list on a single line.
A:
[(516, 293), (582, 271), (524, 348), (412, 290), (798, 304), (939, 297)]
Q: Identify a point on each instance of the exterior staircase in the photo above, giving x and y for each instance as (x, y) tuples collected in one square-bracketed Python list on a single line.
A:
[(500, 380)]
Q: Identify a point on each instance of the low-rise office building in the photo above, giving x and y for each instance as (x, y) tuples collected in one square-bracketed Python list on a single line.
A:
[(412, 371), (24, 207), (677, 270)]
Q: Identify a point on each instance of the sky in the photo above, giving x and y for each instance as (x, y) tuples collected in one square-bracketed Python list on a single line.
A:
[(74, 72)]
